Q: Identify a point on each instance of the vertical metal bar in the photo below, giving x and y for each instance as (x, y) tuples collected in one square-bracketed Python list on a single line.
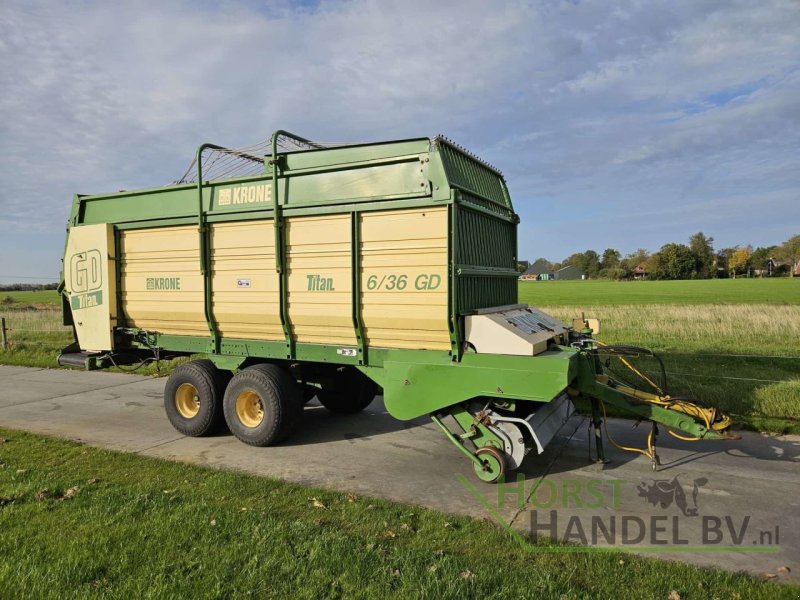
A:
[(452, 239), (280, 249), (205, 260), (506, 195), (355, 266), (3, 335), (121, 319)]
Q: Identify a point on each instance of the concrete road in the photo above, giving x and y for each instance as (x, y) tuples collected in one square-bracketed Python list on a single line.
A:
[(734, 505)]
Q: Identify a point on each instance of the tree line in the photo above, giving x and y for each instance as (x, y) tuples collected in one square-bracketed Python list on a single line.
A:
[(27, 287), (697, 260)]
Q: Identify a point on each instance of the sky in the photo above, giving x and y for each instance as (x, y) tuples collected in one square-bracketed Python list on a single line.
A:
[(616, 124)]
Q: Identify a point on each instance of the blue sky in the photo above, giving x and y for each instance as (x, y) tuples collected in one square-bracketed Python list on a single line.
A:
[(623, 124)]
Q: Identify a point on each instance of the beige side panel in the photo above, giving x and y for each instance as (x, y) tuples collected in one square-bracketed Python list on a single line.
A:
[(404, 278), (245, 284), (91, 284), (162, 288), (320, 279)]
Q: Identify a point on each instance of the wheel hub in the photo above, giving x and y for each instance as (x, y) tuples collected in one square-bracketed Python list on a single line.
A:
[(493, 464), (249, 409), (187, 400)]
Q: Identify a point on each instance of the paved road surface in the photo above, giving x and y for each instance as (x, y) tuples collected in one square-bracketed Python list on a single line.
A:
[(739, 493)]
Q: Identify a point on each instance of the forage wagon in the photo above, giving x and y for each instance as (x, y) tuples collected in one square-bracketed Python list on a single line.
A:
[(301, 270)]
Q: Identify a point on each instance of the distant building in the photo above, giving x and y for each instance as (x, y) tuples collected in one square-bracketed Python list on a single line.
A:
[(540, 270), (640, 272), (569, 272), (767, 270)]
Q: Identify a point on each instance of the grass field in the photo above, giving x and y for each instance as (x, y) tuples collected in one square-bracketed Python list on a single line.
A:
[(82, 522), (732, 344), (781, 290), (729, 343), (39, 297), (36, 334)]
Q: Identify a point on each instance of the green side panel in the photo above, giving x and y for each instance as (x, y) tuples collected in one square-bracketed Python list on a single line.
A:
[(486, 254), (165, 203), (378, 181), (344, 157), (413, 387)]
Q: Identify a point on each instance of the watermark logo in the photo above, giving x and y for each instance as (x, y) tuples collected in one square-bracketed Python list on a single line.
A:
[(663, 492), (605, 515)]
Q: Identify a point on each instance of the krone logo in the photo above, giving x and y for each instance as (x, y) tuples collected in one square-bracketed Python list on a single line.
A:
[(244, 194)]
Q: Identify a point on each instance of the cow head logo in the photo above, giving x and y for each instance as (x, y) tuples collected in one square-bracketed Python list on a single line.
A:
[(663, 492)]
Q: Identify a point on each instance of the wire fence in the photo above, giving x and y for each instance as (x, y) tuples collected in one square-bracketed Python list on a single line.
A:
[(40, 328)]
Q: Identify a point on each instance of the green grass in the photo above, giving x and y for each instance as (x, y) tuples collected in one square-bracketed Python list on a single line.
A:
[(782, 290), (40, 297), (146, 528)]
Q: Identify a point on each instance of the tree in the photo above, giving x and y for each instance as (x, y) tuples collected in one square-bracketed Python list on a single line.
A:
[(790, 251), (737, 262), (588, 262), (673, 261), (591, 264), (722, 259), (611, 258), (634, 259), (703, 249), (576, 259), (543, 262)]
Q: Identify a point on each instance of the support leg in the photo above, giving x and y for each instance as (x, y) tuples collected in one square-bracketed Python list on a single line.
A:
[(598, 434)]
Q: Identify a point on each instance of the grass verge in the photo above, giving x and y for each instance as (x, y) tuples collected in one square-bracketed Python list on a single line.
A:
[(83, 522)]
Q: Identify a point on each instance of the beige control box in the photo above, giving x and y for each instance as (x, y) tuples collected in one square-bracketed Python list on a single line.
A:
[(517, 330)]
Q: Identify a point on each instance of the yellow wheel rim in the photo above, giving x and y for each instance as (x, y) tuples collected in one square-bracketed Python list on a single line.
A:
[(187, 400), (249, 409)]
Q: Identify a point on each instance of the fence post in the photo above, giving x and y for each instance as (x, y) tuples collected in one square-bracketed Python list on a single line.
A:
[(3, 333)]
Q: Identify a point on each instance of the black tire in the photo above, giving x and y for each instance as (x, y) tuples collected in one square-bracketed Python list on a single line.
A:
[(280, 402), (351, 392), (193, 397)]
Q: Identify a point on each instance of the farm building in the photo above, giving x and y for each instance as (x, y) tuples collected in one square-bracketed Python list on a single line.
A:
[(570, 272), (539, 270), (640, 272)]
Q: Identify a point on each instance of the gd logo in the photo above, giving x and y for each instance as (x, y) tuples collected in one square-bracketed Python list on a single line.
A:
[(85, 272)]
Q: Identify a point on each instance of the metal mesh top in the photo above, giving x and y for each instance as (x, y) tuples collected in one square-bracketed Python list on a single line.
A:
[(248, 161), (227, 163)]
